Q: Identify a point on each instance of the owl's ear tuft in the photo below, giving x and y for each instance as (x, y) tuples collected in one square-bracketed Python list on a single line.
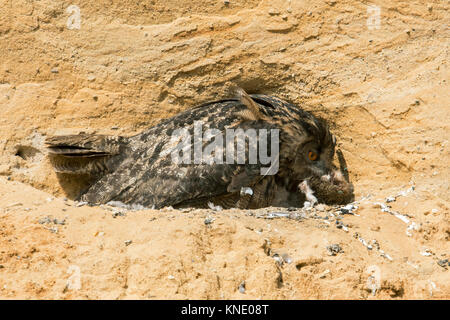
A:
[(253, 112)]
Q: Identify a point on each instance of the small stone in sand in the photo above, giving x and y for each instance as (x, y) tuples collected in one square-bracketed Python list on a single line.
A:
[(242, 287), (45, 220), (118, 214), (286, 258), (444, 263), (209, 220), (61, 222), (334, 249)]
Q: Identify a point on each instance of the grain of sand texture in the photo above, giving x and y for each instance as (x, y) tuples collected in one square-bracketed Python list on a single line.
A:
[(383, 87)]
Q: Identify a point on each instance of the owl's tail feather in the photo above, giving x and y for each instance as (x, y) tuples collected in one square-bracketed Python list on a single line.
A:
[(83, 153)]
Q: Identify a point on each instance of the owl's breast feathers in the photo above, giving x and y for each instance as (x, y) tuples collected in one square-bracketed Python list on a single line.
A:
[(141, 169)]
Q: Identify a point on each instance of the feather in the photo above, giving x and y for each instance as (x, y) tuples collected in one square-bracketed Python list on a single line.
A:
[(141, 170)]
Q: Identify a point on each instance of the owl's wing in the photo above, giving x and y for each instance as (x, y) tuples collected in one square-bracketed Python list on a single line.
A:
[(170, 184), (148, 176)]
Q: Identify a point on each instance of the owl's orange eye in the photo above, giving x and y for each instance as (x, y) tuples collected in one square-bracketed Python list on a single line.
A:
[(312, 156)]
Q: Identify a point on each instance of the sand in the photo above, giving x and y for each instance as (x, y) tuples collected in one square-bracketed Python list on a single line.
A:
[(383, 89)]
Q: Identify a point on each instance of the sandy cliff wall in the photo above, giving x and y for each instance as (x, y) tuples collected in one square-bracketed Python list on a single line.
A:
[(384, 88)]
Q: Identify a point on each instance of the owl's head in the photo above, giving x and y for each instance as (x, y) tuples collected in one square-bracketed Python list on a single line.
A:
[(307, 146), (310, 147), (312, 160)]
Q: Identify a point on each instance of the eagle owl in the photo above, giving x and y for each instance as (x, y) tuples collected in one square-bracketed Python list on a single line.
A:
[(144, 170)]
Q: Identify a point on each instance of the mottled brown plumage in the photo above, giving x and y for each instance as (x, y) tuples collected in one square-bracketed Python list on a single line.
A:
[(139, 170)]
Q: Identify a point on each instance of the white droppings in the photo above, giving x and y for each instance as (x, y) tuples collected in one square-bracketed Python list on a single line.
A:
[(384, 208), (432, 286), (385, 255), (246, 190), (80, 204), (411, 226), (390, 199), (401, 217), (213, 207)]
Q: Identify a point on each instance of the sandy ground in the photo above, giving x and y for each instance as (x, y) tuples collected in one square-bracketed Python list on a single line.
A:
[(383, 89), (54, 248)]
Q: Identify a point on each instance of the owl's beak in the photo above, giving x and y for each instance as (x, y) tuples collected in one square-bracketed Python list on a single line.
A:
[(322, 166)]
